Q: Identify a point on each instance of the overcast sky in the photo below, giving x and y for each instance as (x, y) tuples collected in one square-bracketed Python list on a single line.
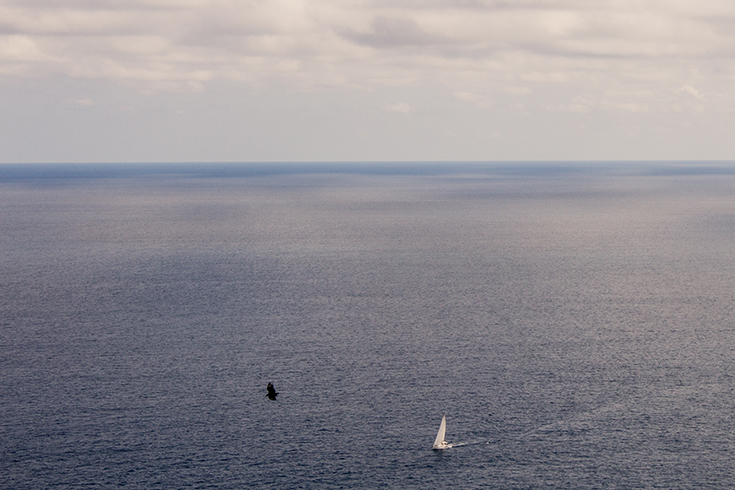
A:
[(289, 80)]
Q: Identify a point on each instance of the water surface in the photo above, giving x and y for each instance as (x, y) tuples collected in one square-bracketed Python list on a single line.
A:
[(573, 321)]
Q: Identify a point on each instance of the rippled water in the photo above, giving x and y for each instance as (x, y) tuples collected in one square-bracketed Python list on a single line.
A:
[(573, 321)]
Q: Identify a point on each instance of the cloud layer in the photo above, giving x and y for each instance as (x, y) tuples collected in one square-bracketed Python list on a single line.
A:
[(632, 55), (183, 80)]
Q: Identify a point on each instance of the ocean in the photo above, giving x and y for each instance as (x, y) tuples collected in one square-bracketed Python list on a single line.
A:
[(573, 321)]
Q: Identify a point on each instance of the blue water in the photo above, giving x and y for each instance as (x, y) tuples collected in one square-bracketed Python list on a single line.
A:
[(575, 323)]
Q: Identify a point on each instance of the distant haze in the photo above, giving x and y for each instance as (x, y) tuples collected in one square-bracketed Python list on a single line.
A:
[(326, 80)]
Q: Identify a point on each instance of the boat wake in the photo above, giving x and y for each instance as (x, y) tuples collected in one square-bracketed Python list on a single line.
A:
[(473, 443)]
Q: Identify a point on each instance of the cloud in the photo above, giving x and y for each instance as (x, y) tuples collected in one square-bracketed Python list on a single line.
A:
[(477, 99), (399, 107), (692, 91), (387, 32), (468, 46), (84, 102)]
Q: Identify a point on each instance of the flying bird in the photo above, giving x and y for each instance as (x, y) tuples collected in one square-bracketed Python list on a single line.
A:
[(272, 393)]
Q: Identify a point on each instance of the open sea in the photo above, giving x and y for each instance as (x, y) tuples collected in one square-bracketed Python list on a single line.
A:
[(574, 321)]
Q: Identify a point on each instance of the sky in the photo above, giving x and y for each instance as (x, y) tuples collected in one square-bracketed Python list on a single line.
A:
[(366, 80)]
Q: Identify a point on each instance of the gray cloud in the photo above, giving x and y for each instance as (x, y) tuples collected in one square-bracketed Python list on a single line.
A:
[(387, 32)]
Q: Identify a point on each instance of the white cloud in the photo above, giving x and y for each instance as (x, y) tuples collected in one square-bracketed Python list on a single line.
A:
[(692, 91), (84, 102), (578, 106), (399, 107), (478, 99)]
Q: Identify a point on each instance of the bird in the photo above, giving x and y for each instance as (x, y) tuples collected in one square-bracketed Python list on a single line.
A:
[(272, 393)]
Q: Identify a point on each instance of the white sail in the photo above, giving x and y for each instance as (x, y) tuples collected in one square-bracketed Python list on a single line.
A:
[(439, 442)]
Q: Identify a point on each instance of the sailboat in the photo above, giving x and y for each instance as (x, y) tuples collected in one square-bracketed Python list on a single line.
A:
[(439, 442)]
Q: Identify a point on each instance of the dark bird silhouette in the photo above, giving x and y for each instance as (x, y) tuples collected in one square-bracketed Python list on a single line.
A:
[(272, 393)]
